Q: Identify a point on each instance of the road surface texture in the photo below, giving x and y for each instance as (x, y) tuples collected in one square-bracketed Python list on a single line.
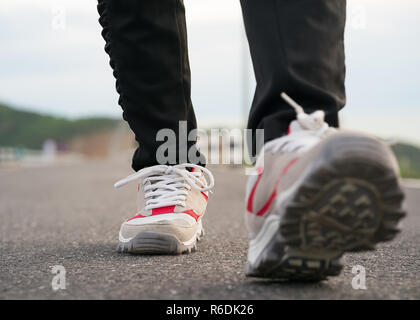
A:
[(70, 215)]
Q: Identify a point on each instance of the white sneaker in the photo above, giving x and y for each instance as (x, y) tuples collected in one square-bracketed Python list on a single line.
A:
[(172, 202), (319, 192)]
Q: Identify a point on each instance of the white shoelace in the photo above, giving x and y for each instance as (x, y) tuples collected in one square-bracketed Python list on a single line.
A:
[(169, 185), (305, 132)]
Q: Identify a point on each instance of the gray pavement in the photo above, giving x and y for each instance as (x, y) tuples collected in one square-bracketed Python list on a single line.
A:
[(70, 215)]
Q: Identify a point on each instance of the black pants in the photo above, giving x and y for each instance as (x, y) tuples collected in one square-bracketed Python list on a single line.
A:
[(296, 46)]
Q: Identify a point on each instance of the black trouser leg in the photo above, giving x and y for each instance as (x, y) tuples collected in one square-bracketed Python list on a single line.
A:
[(147, 44), (296, 47)]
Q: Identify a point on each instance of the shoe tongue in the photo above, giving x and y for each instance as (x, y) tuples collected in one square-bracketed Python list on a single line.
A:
[(313, 121), (295, 127)]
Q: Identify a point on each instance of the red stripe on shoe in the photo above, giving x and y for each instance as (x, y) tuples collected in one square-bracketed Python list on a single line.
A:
[(287, 167), (192, 214), (169, 209), (270, 200), (135, 217), (205, 196), (251, 196), (267, 205), (156, 211), (162, 211)]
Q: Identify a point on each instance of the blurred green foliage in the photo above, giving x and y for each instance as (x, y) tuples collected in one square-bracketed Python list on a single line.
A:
[(409, 160), (29, 130)]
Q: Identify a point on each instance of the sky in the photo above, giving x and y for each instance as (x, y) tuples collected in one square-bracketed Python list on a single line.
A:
[(52, 61)]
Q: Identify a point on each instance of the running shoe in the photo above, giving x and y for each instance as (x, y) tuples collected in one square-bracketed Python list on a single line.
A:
[(172, 202), (317, 193)]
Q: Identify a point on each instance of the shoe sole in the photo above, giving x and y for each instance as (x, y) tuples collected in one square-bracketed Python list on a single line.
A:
[(153, 243), (348, 204)]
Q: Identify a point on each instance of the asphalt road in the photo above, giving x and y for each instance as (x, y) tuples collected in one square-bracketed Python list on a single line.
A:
[(70, 216)]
